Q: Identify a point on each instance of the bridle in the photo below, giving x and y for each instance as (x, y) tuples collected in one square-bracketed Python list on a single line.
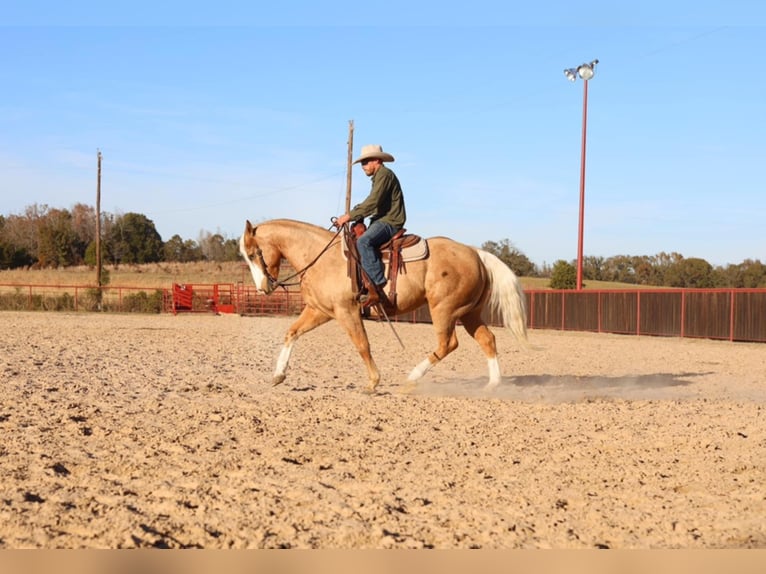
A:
[(274, 282)]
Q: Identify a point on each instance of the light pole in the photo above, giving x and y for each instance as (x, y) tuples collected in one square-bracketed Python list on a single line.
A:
[(586, 72)]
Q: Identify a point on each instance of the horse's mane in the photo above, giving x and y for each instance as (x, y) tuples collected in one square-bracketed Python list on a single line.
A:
[(293, 222), (302, 226)]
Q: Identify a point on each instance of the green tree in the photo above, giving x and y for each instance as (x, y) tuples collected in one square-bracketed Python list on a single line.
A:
[(176, 249), (21, 233), (231, 250), (753, 273), (12, 258), (173, 249), (662, 263), (511, 256), (593, 267), (11, 255), (83, 224), (58, 244), (644, 271), (619, 268), (212, 246), (90, 253), (692, 273), (133, 239), (563, 276)]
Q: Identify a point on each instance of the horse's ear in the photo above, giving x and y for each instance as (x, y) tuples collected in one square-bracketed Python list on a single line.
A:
[(248, 227)]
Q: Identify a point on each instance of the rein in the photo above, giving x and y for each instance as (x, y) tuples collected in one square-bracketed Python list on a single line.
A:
[(274, 283)]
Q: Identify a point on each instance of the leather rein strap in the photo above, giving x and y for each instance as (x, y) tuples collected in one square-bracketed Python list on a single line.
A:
[(274, 283)]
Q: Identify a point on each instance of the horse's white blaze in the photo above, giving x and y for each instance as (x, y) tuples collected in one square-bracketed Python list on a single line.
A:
[(259, 279), (494, 372), (283, 360), (420, 370)]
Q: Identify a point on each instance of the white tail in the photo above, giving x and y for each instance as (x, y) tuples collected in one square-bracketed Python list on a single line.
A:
[(506, 295)]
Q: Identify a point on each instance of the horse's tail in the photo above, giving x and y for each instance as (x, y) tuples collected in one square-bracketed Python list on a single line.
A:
[(506, 295)]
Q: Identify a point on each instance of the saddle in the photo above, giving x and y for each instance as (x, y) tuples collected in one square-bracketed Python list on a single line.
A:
[(394, 253)]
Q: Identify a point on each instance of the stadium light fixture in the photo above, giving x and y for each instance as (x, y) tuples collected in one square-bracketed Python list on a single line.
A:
[(585, 72)]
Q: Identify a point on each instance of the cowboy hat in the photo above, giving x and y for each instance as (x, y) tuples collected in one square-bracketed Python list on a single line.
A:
[(374, 152)]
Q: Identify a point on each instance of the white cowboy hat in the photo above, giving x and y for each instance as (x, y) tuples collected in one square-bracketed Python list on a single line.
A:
[(374, 152)]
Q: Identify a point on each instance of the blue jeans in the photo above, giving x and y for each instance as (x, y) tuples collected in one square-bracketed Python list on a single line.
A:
[(376, 235)]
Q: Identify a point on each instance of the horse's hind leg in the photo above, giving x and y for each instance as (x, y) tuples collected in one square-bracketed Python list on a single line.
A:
[(309, 319), (477, 328), (446, 343)]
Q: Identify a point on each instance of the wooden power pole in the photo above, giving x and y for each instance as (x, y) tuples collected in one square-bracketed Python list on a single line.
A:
[(98, 226), (348, 165)]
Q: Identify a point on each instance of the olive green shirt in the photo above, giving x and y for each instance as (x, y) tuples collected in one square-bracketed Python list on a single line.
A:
[(385, 202)]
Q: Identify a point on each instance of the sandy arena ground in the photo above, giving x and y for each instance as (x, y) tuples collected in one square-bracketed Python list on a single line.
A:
[(164, 431)]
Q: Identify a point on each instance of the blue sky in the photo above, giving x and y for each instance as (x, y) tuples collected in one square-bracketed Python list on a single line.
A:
[(206, 116)]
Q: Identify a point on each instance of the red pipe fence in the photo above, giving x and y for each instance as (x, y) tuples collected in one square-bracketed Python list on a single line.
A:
[(727, 314)]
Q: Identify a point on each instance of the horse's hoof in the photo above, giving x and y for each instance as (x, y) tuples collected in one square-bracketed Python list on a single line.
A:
[(370, 390), (278, 379)]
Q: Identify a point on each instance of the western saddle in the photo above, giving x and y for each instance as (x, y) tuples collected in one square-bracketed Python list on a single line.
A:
[(391, 252)]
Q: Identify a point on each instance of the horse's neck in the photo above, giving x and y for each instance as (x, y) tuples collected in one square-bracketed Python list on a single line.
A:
[(299, 256), (301, 247)]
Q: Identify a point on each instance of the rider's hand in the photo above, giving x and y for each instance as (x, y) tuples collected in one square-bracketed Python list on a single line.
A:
[(342, 220)]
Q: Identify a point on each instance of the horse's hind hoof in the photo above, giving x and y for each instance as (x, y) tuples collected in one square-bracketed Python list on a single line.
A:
[(278, 379)]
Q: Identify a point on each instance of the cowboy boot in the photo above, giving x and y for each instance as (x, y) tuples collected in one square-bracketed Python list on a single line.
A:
[(388, 304), (377, 296), (370, 298)]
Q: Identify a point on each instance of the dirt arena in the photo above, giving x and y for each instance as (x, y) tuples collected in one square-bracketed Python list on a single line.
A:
[(164, 431)]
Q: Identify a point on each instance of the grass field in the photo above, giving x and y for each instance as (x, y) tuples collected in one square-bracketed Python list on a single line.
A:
[(154, 275), (159, 275)]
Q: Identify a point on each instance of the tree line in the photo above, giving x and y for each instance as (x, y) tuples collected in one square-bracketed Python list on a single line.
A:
[(45, 237), (661, 270)]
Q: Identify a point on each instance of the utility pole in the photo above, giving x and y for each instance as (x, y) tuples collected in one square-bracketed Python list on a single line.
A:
[(348, 165), (98, 230)]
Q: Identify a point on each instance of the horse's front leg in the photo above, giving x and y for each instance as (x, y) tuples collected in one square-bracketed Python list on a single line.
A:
[(309, 319), (351, 321)]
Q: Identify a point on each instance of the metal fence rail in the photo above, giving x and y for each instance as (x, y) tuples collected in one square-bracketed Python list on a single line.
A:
[(731, 314), (728, 314), (31, 297)]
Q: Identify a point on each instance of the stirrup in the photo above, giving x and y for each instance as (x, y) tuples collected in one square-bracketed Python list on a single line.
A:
[(369, 299), (375, 296), (362, 294)]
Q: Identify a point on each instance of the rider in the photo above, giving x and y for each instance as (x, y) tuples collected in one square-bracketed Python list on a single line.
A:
[(385, 208)]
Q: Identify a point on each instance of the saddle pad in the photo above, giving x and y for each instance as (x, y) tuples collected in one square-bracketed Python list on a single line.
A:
[(414, 252)]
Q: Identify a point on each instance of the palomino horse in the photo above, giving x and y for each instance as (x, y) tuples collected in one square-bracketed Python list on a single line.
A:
[(457, 282)]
